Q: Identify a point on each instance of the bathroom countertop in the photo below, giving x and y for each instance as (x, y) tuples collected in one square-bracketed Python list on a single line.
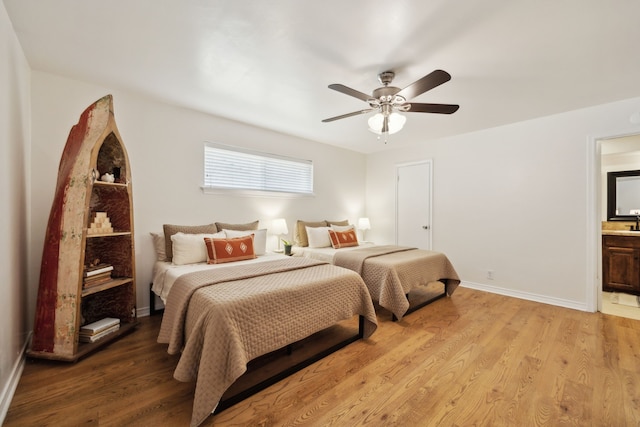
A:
[(621, 233)]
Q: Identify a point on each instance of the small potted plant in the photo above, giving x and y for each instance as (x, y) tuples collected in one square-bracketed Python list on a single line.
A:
[(287, 246)]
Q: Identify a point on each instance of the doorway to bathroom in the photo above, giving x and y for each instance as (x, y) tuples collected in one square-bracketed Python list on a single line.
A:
[(616, 155)]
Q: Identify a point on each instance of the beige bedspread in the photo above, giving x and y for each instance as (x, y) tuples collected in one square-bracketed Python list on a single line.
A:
[(390, 272), (223, 319)]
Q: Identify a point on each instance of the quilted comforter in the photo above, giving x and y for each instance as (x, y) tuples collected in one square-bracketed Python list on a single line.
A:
[(222, 319), (390, 272)]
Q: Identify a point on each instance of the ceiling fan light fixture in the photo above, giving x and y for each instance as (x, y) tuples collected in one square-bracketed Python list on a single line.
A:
[(395, 123)]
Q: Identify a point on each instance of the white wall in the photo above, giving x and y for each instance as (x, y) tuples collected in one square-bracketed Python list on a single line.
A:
[(165, 147), (515, 199), (14, 207)]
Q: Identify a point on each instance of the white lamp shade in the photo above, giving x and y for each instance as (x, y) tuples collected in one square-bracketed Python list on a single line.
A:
[(279, 226), (395, 123), (364, 224)]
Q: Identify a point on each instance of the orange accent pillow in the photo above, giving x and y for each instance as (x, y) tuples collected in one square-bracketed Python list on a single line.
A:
[(229, 250), (343, 239)]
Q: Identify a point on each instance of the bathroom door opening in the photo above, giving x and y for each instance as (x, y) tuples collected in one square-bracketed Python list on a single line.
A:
[(615, 153)]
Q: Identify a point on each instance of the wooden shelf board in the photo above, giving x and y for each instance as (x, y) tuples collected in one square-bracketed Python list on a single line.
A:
[(85, 348), (117, 281), (114, 184), (115, 233)]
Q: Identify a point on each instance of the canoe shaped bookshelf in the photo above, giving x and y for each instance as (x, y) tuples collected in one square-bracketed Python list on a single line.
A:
[(90, 224)]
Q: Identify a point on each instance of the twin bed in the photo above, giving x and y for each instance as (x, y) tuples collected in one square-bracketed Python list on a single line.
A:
[(390, 272), (220, 315)]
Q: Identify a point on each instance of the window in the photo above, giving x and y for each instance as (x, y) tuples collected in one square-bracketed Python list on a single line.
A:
[(234, 168)]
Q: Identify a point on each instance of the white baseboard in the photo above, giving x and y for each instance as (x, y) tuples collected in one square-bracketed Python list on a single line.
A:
[(582, 306), (10, 387)]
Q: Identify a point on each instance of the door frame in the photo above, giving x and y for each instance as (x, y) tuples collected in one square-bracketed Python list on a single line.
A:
[(594, 217), (417, 162)]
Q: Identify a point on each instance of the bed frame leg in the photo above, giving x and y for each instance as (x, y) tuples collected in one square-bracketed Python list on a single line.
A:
[(422, 304), (152, 302)]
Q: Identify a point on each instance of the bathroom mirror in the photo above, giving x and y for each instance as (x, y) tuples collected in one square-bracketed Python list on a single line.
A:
[(623, 195)]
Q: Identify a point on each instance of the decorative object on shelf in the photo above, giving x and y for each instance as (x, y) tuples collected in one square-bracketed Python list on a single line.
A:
[(108, 177), (279, 228), (101, 224), (364, 225), (88, 271)]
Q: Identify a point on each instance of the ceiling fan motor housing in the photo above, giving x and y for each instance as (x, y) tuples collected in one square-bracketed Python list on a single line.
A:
[(387, 95)]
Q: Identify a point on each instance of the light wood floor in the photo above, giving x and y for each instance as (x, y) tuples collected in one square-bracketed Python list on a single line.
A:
[(472, 359)]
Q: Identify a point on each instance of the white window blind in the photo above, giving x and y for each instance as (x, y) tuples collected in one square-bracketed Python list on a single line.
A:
[(227, 167)]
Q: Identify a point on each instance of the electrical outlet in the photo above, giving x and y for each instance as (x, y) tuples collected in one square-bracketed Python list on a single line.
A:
[(490, 274)]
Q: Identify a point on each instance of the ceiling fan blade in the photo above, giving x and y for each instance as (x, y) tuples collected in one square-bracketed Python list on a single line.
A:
[(344, 116), (428, 82), (417, 107), (351, 92)]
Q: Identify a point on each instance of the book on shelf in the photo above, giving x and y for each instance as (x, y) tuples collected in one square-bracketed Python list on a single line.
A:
[(98, 276), (97, 269), (99, 325), (94, 281), (95, 337)]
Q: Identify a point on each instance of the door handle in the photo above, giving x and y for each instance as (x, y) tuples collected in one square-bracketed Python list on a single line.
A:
[(426, 227)]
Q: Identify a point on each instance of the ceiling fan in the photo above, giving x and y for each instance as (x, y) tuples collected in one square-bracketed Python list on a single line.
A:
[(387, 101)]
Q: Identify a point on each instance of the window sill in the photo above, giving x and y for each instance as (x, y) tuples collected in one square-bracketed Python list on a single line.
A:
[(253, 193)]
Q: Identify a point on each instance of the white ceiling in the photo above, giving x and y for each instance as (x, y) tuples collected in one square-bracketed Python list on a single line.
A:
[(268, 63)]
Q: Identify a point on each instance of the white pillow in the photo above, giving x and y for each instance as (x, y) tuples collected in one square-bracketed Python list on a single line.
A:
[(318, 237), (190, 248), (159, 245), (259, 238)]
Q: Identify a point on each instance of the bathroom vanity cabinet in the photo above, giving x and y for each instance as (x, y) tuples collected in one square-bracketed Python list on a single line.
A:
[(621, 263)]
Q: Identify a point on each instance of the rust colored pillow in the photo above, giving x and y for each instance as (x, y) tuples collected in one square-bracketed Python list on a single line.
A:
[(343, 239), (229, 250)]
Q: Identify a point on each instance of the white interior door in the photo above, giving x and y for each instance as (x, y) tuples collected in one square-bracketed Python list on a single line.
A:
[(413, 204)]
